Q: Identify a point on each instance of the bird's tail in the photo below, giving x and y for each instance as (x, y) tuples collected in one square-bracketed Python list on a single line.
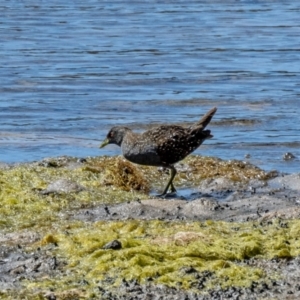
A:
[(204, 121), (207, 134)]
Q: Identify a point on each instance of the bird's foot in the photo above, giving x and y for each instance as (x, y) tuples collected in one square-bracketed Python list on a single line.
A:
[(167, 195)]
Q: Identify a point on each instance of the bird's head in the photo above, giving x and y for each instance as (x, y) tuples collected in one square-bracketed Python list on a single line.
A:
[(115, 136)]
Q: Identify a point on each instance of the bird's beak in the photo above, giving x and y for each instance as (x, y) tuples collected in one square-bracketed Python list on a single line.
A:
[(104, 143)]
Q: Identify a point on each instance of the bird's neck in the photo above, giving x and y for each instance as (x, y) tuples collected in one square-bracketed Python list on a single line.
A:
[(129, 139)]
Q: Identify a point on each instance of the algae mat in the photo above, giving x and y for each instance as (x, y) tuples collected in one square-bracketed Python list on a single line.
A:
[(36, 194), (175, 254), (50, 251)]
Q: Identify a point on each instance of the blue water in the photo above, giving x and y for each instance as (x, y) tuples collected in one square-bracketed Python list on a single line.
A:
[(69, 70)]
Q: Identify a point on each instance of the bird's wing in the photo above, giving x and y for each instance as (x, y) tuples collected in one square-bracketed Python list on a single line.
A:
[(173, 143)]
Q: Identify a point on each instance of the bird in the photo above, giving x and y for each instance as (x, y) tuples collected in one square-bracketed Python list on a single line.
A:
[(161, 146)]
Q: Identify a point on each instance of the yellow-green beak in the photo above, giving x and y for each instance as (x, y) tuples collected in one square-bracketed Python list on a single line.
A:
[(104, 143)]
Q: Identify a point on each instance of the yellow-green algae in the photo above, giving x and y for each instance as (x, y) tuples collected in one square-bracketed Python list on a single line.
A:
[(23, 205), (104, 178), (155, 249)]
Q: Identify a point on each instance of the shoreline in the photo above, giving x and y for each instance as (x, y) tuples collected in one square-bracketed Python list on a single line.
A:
[(59, 215)]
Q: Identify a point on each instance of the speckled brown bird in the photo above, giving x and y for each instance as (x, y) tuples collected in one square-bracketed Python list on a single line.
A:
[(162, 146)]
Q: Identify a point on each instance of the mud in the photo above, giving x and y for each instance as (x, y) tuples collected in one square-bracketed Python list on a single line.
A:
[(219, 199)]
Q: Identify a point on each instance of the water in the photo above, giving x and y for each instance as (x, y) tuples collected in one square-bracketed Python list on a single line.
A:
[(70, 70)]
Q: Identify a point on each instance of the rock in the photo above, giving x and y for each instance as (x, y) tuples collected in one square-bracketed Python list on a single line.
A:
[(62, 186), (288, 156), (114, 245)]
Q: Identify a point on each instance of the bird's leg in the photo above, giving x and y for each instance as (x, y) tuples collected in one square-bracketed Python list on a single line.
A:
[(170, 182), (173, 190)]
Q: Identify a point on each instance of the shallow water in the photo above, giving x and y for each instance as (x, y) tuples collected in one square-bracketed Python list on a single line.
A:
[(71, 70)]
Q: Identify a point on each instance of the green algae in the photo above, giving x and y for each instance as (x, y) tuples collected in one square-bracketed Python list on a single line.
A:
[(104, 180), (159, 251), (153, 250), (24, 205)]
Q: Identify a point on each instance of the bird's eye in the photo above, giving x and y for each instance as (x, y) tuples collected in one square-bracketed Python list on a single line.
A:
[(111, 135)]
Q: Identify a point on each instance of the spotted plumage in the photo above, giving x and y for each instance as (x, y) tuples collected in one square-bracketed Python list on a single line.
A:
[(161, 146)]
